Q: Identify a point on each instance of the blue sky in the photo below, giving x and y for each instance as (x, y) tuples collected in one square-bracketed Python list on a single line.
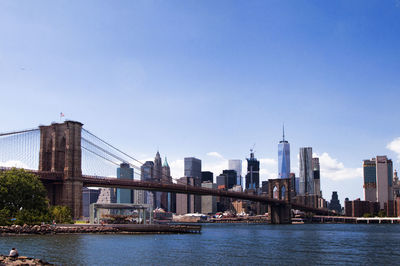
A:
[(211, 78)]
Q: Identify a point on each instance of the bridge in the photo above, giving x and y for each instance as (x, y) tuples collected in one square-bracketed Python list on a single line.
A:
[(68, 158)]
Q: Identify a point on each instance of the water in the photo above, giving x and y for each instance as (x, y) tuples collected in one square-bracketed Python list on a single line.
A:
[(223, 244)]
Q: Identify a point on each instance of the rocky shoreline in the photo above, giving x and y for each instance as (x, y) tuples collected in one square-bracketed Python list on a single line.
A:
[(21, 260), (50, 229)]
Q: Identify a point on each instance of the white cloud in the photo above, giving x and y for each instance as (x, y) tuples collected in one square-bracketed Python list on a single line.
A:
[(394, 146), (177, 168), (333, 169), (215, 154)]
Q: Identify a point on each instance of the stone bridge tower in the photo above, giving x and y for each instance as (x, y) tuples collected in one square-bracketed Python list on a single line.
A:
[(60, 151), (280, 189)]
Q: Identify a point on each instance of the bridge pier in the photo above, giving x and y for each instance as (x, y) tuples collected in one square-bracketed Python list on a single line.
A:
[(280, 214), (60, 151), (280, 189)]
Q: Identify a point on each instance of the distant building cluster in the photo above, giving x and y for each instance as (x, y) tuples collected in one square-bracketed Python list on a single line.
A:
[(381, 190)]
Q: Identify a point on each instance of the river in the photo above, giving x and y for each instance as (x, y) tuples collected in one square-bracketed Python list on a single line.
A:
[(222, 244)]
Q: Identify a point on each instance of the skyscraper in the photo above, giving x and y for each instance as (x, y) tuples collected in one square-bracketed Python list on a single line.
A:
[(166, 178), (146, 174), (284, 157), (193, 169), (124, 172), (306, 172), (378, 180), (157, 174), (316, 175), (253, 172), (237, 166)]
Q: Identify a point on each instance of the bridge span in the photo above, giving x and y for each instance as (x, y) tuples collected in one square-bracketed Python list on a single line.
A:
[(60, 169)]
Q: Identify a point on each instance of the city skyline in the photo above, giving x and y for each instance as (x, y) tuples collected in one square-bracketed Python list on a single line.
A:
[(193, 69)]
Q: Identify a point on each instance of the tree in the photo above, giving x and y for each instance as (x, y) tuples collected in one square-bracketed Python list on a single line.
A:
[(61, 214), (22, 196)]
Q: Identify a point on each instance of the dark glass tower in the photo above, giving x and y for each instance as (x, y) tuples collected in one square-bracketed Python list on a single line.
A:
[(253, 172)]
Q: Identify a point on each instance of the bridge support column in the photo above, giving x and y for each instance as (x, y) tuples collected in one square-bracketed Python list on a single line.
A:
[(280, 214), (60, 151), (280, 189)]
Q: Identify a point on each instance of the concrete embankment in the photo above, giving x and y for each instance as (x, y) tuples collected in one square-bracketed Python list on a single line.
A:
[(6, 260), (97, 229)]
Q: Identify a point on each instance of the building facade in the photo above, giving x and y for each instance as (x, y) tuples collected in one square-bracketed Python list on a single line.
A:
[(89, 196), (208, 203), (207, 176), (124, 172), (306, 172), (237, 166), (146, 174), (316, 176)]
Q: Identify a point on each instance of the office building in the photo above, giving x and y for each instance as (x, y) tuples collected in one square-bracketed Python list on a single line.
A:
[(378, 180), (334, 205), (284, 157), (306, 172), (89, 196), (237, 166), (208, 203), (207, 176), (185, 202), (316, 175), (193, 169), (146, 174), (253, 172), (124, 172), (167, 179), (157, 175)]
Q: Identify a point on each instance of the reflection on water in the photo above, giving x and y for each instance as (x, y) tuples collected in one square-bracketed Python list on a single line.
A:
[(222, 244)]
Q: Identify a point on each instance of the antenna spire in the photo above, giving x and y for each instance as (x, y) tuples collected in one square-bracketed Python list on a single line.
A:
[(283, 130)]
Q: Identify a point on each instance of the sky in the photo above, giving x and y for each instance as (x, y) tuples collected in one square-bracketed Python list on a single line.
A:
[(210, 79)]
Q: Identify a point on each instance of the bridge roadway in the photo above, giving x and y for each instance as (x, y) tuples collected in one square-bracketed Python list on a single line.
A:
[(97, 181)]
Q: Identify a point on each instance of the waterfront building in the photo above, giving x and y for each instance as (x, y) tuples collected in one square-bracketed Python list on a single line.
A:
[(253, 172), (208, 203), (237, 166), (124, 172), (207, 176), (306, 172), (358, 208), (334, 205), (316, 176), (283, 157), (378, 180), (89, 196), (193, 169), (106, 196)]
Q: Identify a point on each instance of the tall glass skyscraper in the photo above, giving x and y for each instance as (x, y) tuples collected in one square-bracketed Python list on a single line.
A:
[(237, 166), (284, 158), (124, 172), (306, 172)]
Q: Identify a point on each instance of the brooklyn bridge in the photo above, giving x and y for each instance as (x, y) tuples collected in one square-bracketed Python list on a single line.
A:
[(67, 157)]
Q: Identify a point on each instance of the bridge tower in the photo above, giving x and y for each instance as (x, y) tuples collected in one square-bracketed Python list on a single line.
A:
[(280, 189), (60, 151)]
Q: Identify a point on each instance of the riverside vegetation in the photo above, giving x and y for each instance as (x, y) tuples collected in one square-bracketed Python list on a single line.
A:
[(23, 200)]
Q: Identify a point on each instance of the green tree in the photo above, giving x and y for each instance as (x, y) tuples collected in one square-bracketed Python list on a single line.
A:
[(22, 196), (61, 214)]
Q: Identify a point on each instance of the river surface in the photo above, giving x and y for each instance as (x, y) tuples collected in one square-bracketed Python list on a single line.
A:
[(223, 244)]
